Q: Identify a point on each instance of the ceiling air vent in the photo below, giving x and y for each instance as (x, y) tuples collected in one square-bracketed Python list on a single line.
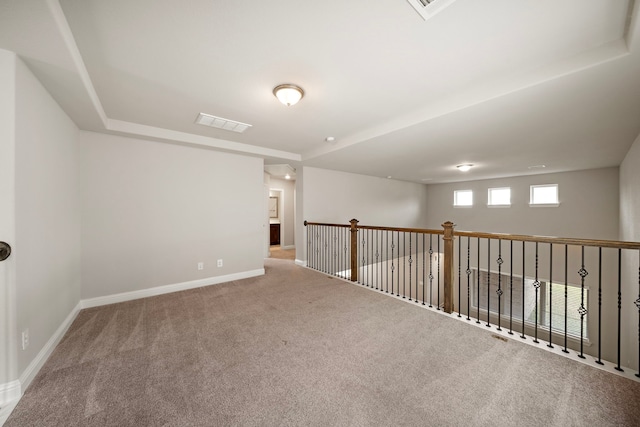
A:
[(428, 8), (220, 123)]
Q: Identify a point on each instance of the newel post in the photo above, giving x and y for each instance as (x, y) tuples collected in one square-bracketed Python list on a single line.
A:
[(448, 266), (354, 250)]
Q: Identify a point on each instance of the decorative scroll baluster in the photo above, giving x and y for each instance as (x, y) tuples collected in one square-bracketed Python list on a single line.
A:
[(599, 360), (387, 259), (550, 286), (618, 368), (398, 267), (364, 257), (499, 291), (488, 325), (536, 285), (393, 267), (566, 296), (430, 270), (511, 288), (468, 277), (582, 310), (404, 265), (438, 281)]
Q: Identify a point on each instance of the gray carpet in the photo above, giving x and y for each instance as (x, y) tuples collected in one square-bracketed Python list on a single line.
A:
[(296, 347)]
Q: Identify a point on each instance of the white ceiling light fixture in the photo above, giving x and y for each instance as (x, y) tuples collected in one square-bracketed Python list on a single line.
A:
[(288, 94), (287, 176), (465, 167)]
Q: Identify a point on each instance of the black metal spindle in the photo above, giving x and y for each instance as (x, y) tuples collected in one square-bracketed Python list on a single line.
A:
[(522, 335), (550, 286), (582, 309), (488, 325), (536, 285), (430, 270), (410, 264), (424, 265), (404, 265), (599, 360), (393, 267), (618, 368), (468, 277), (416, 299), (364, 256), (398, 269), (478, 290), (566, 296), (637, 303), (438, 281), (459, 277), (510, 287), (387, 259), (499, 291)]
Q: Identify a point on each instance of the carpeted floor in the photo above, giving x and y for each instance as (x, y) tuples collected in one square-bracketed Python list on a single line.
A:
[(277, 252), (296, 347)]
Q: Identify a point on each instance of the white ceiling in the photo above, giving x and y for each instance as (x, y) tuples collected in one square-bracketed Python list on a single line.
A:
[(501, 84)]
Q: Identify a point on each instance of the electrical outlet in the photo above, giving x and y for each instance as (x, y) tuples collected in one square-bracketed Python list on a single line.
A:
[(201, 266), (25, 339), (219, 263)]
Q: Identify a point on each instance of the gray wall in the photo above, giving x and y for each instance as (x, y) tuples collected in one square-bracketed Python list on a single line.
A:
[(589, 206), (630, 231), (152, 211)]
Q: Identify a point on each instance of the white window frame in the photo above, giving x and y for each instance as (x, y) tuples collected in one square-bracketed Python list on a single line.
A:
[(498, 205), (455, 198), (547, 204)]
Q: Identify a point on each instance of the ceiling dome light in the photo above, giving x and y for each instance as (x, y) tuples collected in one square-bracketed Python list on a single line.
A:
[(287, 176), (288, 94), (465, 167)]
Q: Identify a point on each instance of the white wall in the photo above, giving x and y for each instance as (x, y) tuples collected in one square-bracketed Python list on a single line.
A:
[(47, 214), (152, 211), (8, 344), (286, 190), (589, 206), (630, 231)]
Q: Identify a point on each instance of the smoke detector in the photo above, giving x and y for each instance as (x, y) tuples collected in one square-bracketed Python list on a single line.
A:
[(428, 8)]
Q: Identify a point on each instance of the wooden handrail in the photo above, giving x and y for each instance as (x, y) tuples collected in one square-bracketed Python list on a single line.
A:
[(377, 227), (550, 239)]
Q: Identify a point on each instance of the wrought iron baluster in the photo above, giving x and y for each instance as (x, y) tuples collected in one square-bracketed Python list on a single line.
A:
[(387, 261), (364, 256), (410, 264), (424, 265), (618, 368), (398, 269), (459, 277), (468, 277), (378, 265), (488, 325), (599, 360), (536, 285), (438, 281), (392, 264), (404, 265), (417, 263), (499, 291), (550, 286), (566, 296), (637, 303), (522, 335), (478, 290), (430, 270), (582, 310), (510, 287)]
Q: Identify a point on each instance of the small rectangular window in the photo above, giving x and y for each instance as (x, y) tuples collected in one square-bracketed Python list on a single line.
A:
[(544, 195), (499, 197), (463, 198)]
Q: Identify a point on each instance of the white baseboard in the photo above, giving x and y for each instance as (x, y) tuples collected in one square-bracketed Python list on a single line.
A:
[(9, 392), (166, 289), (301, 262), (6, 410), (36, 364)]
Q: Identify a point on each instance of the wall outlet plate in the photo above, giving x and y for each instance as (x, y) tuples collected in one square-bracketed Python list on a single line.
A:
[(201, 266), (219, 263)]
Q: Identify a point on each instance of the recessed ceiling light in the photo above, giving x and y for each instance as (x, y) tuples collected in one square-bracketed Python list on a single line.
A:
[(389, 177), (465, 167), (287, 176), (288, 94), (330, 139), (537, 167)]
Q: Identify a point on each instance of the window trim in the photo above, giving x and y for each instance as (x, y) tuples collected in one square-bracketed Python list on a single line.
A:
[(455, 199), (498, 205), (544, 205)]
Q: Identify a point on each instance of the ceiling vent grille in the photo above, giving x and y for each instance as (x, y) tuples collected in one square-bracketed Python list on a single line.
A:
[(220, 123), (428, 8)]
